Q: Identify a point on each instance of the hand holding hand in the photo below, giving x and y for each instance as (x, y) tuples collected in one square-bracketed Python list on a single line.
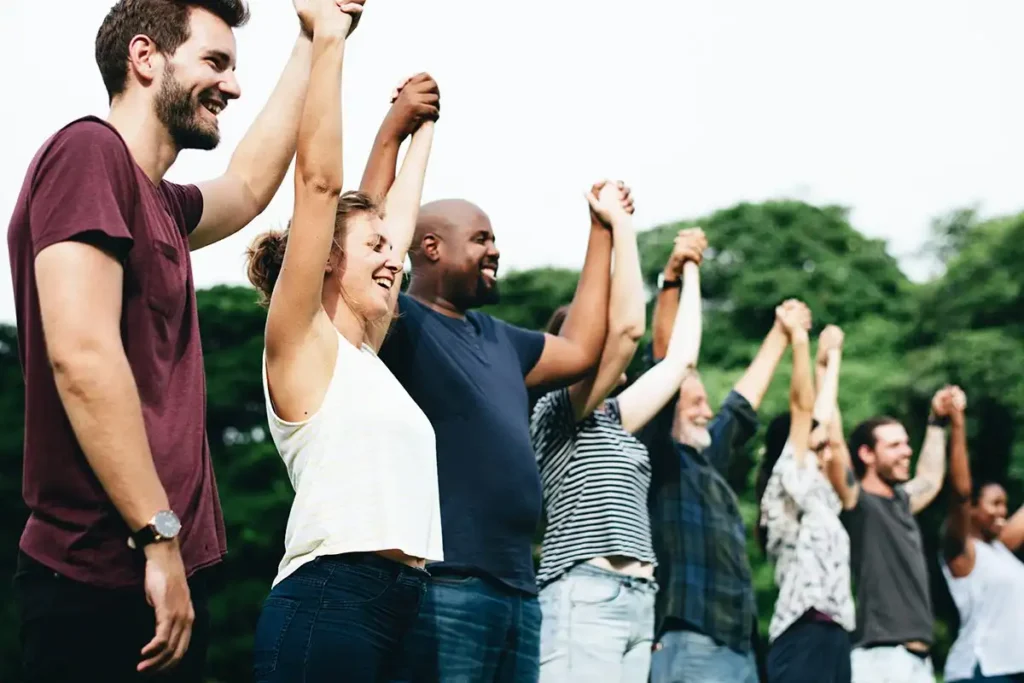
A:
[(340, 15), (415, 100), (830, 339), (168, 593), (689, 245), (941, 402), (610, 202), (794, 317)]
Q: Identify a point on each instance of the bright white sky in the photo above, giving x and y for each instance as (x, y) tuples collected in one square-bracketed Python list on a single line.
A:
[(900, 110)]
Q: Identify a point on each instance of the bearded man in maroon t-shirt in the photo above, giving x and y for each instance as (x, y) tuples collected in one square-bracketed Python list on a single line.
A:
[(117, 473)]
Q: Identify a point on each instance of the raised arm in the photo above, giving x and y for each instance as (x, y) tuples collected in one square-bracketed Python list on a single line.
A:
[(1012, 535), (931, 464), (796, 322), (957, 548), (296, 299), (261, 159), (838, 469), (667, 303), (568, 357), (626, 314), (754, 382), (641, 402)]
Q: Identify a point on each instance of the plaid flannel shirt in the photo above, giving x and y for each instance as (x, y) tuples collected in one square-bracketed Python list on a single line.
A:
[(699, 538)]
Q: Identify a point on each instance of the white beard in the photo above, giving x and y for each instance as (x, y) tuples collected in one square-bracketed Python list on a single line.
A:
[(698, 438)]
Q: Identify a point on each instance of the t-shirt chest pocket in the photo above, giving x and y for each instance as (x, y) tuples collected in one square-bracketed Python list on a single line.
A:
[(164, 279)]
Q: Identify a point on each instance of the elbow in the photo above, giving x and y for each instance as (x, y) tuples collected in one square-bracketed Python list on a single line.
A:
[(321, 181), (77, 366), (630, 332)]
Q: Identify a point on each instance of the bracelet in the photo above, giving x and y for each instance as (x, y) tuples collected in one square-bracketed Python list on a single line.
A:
[(938, 421)]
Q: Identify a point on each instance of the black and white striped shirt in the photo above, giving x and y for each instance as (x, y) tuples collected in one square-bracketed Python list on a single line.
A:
[(595, 476)]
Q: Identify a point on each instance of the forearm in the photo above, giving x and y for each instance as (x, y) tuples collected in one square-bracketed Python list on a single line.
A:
[(931, 468), (666, 307), (379, 174), (828, 389), (801, 398), (959, 465), (626, 314), (403, 200), (683, 347), (754, 383), (261, 159), (102, 403), (319, 156), (586, 324)]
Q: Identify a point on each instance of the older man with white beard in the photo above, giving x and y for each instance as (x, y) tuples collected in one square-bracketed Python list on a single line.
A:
[(705, 612)]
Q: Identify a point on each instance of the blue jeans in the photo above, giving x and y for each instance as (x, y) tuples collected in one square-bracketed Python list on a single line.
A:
[(691, 657), (337, 616), (598, 626), (810, 652), (473, 630)]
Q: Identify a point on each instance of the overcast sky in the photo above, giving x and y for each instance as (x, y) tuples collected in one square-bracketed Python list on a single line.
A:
[(899, 110)]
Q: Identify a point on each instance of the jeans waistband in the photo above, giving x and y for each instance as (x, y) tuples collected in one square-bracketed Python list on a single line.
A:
[(627, 580), (376, 562)]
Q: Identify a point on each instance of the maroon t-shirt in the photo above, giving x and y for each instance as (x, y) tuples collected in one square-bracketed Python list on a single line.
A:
[(83, 185)]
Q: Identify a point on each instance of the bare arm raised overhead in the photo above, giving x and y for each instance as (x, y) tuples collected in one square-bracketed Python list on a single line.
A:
[(626, 314), (641, 402), (839, 469), (931, 464), (301, 343), (957, 547), (576, 351), (260, 162)]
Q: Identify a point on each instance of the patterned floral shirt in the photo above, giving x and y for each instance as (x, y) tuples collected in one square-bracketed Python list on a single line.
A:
[(809, 545)]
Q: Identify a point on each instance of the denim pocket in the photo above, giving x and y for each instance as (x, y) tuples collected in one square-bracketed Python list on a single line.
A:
[(276, 616), (587, 590), (353, 585)]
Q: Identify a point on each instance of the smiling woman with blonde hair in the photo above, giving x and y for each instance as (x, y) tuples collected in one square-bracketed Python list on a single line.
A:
[(359, 452)]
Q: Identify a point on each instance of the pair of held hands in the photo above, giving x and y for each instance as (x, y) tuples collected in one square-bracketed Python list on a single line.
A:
[(416, 99)]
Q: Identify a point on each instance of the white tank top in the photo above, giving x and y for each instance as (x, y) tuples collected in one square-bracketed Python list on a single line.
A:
[(991, 604), (363, 467)]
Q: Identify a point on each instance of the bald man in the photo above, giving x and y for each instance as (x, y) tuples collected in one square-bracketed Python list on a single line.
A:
[(480, 620)]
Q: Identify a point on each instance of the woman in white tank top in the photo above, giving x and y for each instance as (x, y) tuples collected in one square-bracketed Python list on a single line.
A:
[(984, 576), (359, 452)]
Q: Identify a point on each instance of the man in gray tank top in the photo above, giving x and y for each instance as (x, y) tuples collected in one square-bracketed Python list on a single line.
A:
[(894, 612)]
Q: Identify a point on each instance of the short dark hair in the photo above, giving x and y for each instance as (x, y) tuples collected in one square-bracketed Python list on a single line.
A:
[(166, 22), (978, 487), (864, 435)]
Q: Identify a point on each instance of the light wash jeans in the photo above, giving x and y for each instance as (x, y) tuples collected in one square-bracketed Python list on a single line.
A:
[(691, 657), (895, 664), (597, 625)]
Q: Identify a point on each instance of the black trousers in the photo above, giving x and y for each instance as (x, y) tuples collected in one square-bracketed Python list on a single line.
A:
[(74, 632), (810, 652)]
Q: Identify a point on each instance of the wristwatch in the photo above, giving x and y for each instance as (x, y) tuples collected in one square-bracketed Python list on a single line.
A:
[(664, 283), (163, 526)]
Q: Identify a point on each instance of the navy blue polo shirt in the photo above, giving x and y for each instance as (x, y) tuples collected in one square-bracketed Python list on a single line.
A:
[(467, 375)]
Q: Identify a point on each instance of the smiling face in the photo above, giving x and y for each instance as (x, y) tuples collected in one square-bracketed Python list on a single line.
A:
[(197, 83), (693, 414), (365, 269), (989, 511), (890, 456)]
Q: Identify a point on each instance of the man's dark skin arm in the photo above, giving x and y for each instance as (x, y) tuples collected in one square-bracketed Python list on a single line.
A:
[(568, 357), (401, 121), (957, 549)]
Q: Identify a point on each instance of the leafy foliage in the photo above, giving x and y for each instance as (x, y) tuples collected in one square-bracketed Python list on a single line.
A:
[(903, 341)]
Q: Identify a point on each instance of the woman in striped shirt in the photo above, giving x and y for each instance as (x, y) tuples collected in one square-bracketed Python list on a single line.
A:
[(597, 561)]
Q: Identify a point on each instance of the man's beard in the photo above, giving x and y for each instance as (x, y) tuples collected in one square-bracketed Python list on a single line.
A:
[(486, 294), (178, 111)]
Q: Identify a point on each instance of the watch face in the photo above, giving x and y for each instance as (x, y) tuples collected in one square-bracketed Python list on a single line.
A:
[(166, 524)]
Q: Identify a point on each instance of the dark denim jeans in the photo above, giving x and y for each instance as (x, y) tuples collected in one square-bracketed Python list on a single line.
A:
[(337, 618), (473, 630), (71, 631), (810, 652)]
